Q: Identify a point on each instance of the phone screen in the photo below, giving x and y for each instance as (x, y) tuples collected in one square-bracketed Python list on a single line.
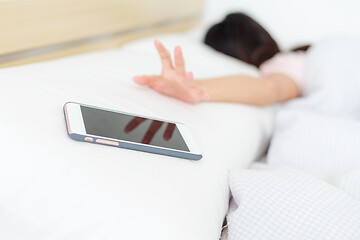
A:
[(133, 129)]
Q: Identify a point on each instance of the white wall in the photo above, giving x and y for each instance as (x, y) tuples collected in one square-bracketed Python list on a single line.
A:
[(294, 22)]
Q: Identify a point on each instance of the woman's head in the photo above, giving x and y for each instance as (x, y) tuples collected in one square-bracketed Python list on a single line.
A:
[(241, 37)]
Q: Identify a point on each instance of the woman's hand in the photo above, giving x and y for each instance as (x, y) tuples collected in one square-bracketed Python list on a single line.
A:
[(174, 81)]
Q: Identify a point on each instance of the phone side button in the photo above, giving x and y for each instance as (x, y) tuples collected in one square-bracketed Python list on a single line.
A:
[(107, 142), (89, 139)]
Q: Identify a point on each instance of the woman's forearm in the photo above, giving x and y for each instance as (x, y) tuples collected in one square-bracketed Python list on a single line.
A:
[(250, 90)]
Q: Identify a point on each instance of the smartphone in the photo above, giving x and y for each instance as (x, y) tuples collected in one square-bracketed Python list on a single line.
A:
[(125, 130)]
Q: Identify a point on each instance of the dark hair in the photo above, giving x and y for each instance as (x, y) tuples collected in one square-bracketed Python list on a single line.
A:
[(301, 48), (241, 37)]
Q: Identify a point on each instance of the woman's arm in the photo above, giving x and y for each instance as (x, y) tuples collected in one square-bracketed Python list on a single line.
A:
[(250, 90), (175, 82)]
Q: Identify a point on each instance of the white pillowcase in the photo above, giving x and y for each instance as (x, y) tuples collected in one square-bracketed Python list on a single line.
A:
[(325, 146), (320, 132), (350, 183), (52, 187), (332, 76), (287, 204)]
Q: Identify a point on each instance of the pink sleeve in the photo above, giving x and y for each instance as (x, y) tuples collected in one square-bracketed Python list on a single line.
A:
[(289, 63)]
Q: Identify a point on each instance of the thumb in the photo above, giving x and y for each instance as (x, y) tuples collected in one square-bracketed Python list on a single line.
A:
[(144, 80)]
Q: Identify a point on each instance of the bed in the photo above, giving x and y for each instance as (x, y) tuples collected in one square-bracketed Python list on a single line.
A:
[(52, 187)]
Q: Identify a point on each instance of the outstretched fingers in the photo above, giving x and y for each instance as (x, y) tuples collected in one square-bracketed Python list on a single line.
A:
[(179, 61), (164, 56)]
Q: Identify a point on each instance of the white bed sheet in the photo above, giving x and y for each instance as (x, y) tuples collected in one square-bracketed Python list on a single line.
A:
[(52, 187)]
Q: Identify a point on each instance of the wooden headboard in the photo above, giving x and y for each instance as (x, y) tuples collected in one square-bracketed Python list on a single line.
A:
[(38, 30)]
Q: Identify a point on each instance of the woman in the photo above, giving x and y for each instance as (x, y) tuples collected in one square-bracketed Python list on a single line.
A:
[(241, 37)]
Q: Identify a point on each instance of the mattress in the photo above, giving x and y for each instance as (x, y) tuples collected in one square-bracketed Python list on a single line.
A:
[(52, 187)]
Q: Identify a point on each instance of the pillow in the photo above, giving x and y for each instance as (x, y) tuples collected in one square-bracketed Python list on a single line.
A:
[(323, 145), (350, 183), (288, 204), (52, 187), (332, 77)]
